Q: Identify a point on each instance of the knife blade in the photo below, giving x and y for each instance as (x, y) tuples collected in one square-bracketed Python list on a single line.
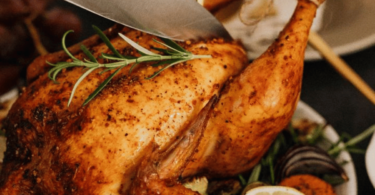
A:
[(174, 19)]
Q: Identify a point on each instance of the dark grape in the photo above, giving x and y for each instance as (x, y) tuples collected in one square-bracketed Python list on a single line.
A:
[(13, 11), (55, 22), (14, 41), (9, 74), (25, 23)]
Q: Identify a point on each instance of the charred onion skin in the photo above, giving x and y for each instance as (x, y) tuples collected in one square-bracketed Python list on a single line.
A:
[(308, 159)]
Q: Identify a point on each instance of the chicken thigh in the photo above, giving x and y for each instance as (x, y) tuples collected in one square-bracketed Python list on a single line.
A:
[(173, 121), (257, 104)]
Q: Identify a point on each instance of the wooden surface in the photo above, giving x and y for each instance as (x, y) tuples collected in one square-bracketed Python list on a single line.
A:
[(341, 66)]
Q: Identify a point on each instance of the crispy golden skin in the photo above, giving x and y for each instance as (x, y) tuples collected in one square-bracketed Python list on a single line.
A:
[(95, 149), (105, 146)]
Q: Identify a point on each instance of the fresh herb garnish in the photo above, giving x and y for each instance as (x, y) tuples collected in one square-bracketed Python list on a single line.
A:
[(350, 145), (264, 170), (174, 54), (255, 173)]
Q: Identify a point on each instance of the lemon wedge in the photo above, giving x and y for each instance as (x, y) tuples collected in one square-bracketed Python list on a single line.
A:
[(273, 190)]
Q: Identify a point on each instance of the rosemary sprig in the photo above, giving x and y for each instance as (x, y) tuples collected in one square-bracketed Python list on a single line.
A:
[(349, 144), (173, 54)]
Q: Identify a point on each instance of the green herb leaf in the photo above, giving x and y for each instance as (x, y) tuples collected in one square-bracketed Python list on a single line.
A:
[(107, 41), (136, 46), (255, 173), (293, 133), (111, 57), (132, 67), (101, 86), (161, 70), (356, 150), (164, 62), (78, 82), (333, 179), (172, 44), (316, 135), (353, 141), (242, 180), (64, 46), (164, 51), (88, 54)]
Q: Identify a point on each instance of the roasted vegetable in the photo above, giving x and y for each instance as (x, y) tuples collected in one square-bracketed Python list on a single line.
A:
[(306, 159), (308, 184)]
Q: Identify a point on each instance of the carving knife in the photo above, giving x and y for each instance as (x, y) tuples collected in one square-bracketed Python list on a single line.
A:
[(174, 19)]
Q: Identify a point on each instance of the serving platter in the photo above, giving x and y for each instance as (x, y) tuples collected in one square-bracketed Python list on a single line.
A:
[(370, 159), (304, 111), (346, 25)]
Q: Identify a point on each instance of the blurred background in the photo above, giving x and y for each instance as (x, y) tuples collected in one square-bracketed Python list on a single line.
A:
[(29, 28)]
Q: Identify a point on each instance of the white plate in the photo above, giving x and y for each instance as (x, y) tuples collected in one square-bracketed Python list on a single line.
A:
[(370, 159), (346, 25), (348, 188), (9, 96)]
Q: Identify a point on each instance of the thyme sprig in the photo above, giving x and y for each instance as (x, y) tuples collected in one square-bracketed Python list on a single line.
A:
[(173, 54)]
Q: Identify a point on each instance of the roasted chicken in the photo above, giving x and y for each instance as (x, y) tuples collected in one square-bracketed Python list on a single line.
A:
[(213, 117)]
